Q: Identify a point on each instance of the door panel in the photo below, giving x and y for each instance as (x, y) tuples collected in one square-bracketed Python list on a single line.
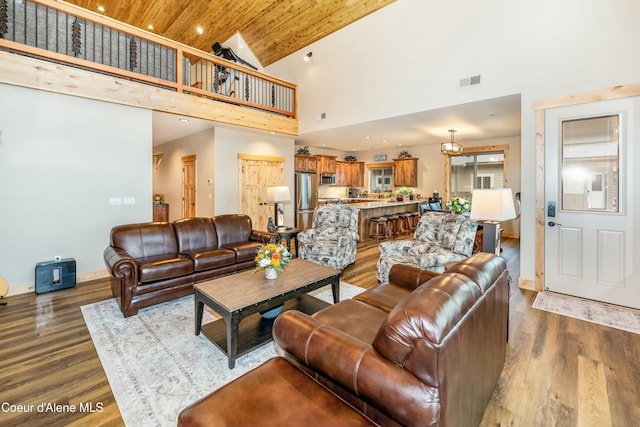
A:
[(589, 168), (611, 257), (255, 176)]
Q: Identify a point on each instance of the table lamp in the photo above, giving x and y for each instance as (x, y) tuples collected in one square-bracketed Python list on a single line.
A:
[(278, 195), (492, 207)]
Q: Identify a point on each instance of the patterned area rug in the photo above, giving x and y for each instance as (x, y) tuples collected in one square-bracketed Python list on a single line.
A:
[(626, 319), (156, 365)]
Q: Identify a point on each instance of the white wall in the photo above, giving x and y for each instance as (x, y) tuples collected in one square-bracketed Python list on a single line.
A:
[(409, 56), (168, 179), (231, 142), (62, 159)]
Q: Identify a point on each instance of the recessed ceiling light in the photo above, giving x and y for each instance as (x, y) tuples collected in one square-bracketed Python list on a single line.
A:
[(384, 141), (200, 30), (150, 27), (101, 9), (367, 137), (184, 120)]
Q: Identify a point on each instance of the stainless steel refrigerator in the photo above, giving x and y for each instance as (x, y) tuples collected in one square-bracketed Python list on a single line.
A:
[(306, 190)]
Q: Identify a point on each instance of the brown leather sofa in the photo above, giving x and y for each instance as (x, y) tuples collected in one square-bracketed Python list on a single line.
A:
[(402, 353), (156, 262)]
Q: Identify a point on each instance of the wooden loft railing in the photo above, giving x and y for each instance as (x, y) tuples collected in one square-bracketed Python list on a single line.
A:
[(63, 33)]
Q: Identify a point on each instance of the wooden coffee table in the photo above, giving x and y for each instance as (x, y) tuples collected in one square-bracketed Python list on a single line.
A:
[(239, 299)]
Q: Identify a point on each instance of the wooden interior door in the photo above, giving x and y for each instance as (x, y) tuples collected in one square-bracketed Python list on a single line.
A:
[(256, 174), (189, 186)]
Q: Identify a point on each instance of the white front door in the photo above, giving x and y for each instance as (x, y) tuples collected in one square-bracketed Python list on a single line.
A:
[(592, 236)]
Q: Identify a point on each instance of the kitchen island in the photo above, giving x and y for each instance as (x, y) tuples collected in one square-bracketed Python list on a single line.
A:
[(382, 207)]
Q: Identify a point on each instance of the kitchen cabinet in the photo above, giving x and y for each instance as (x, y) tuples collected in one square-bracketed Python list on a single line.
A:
[(306, 163), (326, 164), (350, 174), (405, 172), (160, 212)]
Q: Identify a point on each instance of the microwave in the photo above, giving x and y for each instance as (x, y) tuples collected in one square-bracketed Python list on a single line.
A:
[(328, 179)]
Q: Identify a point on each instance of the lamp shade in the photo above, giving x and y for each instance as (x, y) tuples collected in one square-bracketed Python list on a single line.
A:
[(278, 194), (492, 205)]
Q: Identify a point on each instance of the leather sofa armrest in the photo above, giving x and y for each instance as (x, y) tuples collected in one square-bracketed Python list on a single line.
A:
[(357, 367), (119, 262), (410, 277), (264, 237)]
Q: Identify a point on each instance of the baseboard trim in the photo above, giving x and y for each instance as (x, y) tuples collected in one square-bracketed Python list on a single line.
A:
[(28, 287)]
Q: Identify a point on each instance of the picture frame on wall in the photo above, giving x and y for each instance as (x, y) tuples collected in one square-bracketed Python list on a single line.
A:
[(380, 158)]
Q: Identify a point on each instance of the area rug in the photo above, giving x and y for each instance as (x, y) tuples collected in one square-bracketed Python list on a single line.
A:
[(155, 364), (626, 319)]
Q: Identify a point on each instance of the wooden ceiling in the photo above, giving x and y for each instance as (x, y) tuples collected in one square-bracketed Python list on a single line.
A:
[(272, 29)]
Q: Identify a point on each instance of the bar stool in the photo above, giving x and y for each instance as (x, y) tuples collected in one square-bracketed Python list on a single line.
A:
[(405, 223), (378, 228), (393, 224), (415, 219)]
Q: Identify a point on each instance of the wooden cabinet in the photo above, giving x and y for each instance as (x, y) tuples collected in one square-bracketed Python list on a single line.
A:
[(405, 172), (160, 212), (350, 174), (326, 164), (306, 163)]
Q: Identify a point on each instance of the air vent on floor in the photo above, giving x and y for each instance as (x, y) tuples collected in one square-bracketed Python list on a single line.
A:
[(470, 81)]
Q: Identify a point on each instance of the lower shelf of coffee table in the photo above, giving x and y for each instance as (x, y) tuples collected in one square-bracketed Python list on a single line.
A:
[(254, 330)]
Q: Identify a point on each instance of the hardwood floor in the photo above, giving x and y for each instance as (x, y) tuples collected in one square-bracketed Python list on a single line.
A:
[(559, 371)]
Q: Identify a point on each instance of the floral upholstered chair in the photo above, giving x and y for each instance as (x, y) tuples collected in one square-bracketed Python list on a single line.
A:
[(439, 238), (332, 239)]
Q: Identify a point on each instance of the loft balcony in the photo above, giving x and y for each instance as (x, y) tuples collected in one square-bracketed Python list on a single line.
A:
[(93, 56)]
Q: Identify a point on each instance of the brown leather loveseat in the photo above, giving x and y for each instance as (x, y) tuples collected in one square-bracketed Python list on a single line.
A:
[(156, 262), (402, 353)]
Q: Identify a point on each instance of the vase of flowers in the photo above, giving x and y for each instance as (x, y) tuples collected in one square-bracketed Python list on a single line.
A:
[(459, 205), (272, 258)]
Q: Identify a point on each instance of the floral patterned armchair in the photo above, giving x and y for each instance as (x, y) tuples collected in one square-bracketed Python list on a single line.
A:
[(332, 239), (439, 239)]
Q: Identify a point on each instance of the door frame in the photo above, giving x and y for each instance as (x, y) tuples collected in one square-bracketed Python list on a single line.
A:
[(539, 106)]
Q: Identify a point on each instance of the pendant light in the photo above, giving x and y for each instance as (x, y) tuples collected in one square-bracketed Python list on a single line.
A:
[(451, 148)]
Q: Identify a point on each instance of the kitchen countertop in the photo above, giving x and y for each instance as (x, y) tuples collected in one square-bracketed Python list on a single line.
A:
[(369, 203), (382, 203)]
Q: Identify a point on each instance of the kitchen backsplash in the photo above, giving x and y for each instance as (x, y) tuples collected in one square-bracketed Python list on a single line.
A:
[(332, 192)]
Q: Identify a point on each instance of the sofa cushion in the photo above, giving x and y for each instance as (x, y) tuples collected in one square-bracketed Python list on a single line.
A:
[(245, 251), (439, 229), (232, 228), (275, 393), (383, 297), (210, 259), (146, 240), (195, 235), (354, 318), (161, 268), (322, 248), (414, 330), (434, 257)]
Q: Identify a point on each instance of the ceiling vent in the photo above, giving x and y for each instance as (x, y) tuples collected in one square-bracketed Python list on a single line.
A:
[(470, 81)]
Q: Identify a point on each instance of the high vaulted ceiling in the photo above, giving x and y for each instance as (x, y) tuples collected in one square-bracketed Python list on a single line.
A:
[(272, 29)]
